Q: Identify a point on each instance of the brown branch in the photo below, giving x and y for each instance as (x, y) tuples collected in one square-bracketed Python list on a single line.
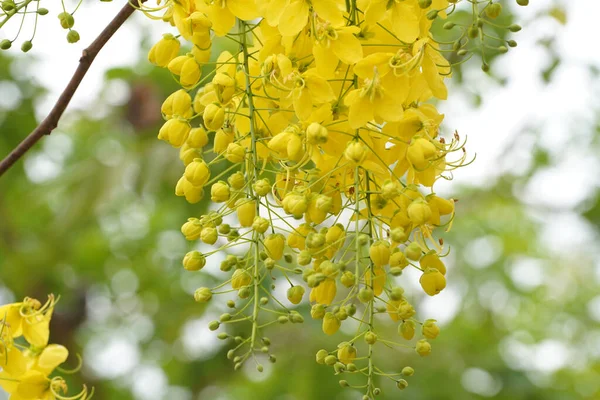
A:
[(51, 121)]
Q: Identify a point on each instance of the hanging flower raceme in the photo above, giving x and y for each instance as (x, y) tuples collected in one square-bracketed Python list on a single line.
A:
[(325, 153), (27, 361)]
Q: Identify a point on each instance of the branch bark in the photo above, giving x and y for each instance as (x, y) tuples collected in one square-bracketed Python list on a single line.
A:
[(51, 121)]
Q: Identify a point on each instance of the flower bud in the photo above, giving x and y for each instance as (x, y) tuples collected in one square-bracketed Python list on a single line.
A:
[(246, 211), (197, 172), (26, 46), (316, 133), (214, 116), (260, 225), (209, 235), (197, 138), (295, 294), (179, 104), (274, 245), (348, 279), (330, 360), (295, 204), (423, 348), (432, 281), (430, 330), (5, 44), (413, 251), (346, 353), (219, 192), (523, 2), (193, 194), (425, 3), (397, 293), (407, 329), (194, 261), (399, 235), (321, 355), (175, 132), (191, 229), (402, 384), (315, 240), (331, 323), (379, 252), (202, 295), (408, 371), (262, 187), (66, 20), (317, 311), (419, 212), (365, 295), (244, 292), (493, 10), (370, 337), (240, 279), (356, 152), (164, 51), (235, 153), (214, 325), (73, 36), (304, 258), (398, 260), (187, 68), (400, 310), (432, 260), (237, 180)]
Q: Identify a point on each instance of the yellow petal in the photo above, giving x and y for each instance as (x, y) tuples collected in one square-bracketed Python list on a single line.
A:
[(347, 47), (243, 9), (50, 358), (294, 18), (330, 11)]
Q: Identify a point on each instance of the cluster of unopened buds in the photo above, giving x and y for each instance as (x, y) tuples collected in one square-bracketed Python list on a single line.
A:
[(28, 363), (317, 145)]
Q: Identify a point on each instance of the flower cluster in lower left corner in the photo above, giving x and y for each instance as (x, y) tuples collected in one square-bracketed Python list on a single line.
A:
[(28, 363)]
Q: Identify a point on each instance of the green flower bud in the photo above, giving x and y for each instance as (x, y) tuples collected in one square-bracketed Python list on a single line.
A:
[(262, 187), (272, 358), (363, 239), (376, 391), (230, 303), (402, 384), (344, 383), (230, 354), (283, 319), (348, 279), (423, 348), (371, 337), (296, 318), (5, 44), (244, 292), (425, 3), (321, 355), (264, 349), (214, 325), (73, 36), (462, 52), (473, 31), (493, 10), (288, 258), (317, 311), (224, 229), (396, 271), (315, 279), (304, 258), (225, 266), (397, 293), (449, 25), (66, 20), (330, 360), (260, 224), (514, 28), (408, 371), (42, 11), (351, 367), (223, 336), (523, 2), (295, 294), (431, 15), (511, 43), (413, 251), (8, 5), (225, 317), (351, 309), (339, 367), (26, 46), (270, 263), (365, 295), (399, 235)]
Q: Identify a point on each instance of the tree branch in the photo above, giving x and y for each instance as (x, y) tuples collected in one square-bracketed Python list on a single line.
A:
[(51, 121)]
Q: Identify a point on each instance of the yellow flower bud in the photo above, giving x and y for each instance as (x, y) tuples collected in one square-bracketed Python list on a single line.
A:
[(222, 79), (164, 51), (237, 180), (390, 190), (398, 260), (235, 153), (262, 187), (240, 279), (419, 212), (400, 310), (325, 292), (214, 117), (260, 224), (430, 330), (379, 252), (194, 261), (188, 154), (318, 207), (432, 260), (408, 371), (188, 70), (365, 294), (274, 246), (175, 132), (321, 354), (197, 173), (177, 104), (295, 204), (356, 152), (198, 138), (348, 279), (378, 282), (371, 337), (191, 229), (209, 235), (219, 192), (246, 211), (331, 324), (316, 133), (294, 148), (202, 295), (407, 329), (297, 239), (346, 353), (432, 281), (193, 194), (295, 294), (423, 348), (420, 152)]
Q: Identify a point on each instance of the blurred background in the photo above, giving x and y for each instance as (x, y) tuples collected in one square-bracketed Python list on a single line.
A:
[(90, 214)]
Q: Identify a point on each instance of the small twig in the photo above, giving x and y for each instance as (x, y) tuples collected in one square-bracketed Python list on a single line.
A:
[(51, 121)]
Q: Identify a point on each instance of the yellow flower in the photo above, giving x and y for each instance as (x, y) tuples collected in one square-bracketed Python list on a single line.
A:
[(380, 253), (295, 294), (197, 173), (246, 211), (175, 131), (188, 70), (432, 260), (274, 246), (193, 194), (240, 279), (177, 104), (325, 292), (29, 318), (430, 329), (423, 347)]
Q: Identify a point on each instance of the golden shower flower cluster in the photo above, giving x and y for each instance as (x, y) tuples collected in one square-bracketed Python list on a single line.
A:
[(319, 146), (28, 363)]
